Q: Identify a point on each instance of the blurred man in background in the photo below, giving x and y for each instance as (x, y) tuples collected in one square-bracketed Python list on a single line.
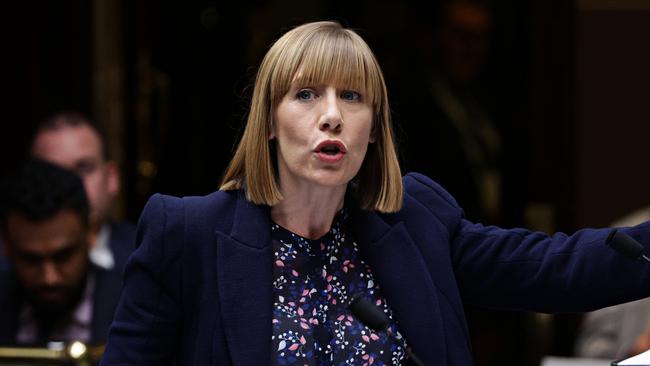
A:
[(50, 290), (72, 141), (457, 131), (463, 146)]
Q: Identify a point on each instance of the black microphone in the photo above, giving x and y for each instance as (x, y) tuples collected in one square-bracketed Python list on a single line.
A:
[(374, 318), (626, 245)]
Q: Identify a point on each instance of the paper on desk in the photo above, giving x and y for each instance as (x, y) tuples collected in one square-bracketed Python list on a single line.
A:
[(565, 361), (640, 359)]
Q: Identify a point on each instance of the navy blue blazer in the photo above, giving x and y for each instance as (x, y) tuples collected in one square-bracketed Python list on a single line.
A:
[(198, 287)]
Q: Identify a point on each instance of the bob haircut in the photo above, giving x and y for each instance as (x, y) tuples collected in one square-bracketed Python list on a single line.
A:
[(324, 53)]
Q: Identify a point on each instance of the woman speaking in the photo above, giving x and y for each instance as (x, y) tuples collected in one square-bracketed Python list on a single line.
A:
[(313, 213)]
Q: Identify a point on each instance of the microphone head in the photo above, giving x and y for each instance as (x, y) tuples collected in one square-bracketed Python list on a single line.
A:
[(368, 313), (624, 244)]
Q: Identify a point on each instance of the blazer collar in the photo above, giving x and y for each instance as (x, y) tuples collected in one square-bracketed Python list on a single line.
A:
[(244, 270), (251, 223), (244, 267)]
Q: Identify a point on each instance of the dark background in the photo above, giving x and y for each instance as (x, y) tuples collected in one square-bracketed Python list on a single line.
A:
[(169, 80)]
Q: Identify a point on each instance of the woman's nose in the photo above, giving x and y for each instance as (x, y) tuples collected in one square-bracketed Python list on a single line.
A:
[(331, 118)]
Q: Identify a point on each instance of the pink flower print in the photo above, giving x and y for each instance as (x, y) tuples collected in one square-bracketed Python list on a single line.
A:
[(347, 265), (306, 301)]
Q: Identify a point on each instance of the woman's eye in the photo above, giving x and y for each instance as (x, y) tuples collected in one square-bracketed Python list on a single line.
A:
[(350, 95), (305, 95)]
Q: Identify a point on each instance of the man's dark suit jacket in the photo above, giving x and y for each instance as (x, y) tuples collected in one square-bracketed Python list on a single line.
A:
[(108, 285), (121, 242), (198, 287)]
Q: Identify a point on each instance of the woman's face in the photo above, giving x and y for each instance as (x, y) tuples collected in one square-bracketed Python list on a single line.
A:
[(322, 134)]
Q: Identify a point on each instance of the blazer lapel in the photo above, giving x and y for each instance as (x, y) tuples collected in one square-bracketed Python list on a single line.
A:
[(244, 268), (404, 281)]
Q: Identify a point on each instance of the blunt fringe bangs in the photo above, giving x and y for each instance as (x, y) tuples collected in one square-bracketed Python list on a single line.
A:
[(317, 53)]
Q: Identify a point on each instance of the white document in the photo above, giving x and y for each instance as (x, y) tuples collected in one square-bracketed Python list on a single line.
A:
[(565, 361), (642, 359)]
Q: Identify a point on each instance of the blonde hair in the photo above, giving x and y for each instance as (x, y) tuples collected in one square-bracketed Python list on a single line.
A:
[(325, 52)]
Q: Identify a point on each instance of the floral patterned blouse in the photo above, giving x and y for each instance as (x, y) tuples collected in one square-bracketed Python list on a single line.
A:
[(313, 283)]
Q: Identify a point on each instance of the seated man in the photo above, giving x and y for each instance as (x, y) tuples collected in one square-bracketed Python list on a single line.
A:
[(74, 142), (50, 290), (615, 332)]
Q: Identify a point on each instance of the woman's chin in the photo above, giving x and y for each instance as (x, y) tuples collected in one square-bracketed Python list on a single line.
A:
[(332, 179)]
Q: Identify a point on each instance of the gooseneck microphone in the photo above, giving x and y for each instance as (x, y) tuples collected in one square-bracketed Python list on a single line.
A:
[(374, 318), (626, 245)]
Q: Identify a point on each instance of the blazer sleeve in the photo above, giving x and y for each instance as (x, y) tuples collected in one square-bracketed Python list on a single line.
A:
[(523, 270), (147, 322)]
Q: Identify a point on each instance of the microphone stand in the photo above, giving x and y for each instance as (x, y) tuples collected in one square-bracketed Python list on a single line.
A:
[(374, 318)]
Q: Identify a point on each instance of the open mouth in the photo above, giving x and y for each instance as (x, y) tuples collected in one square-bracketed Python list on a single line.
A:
[(330, 150), (330, 147)]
